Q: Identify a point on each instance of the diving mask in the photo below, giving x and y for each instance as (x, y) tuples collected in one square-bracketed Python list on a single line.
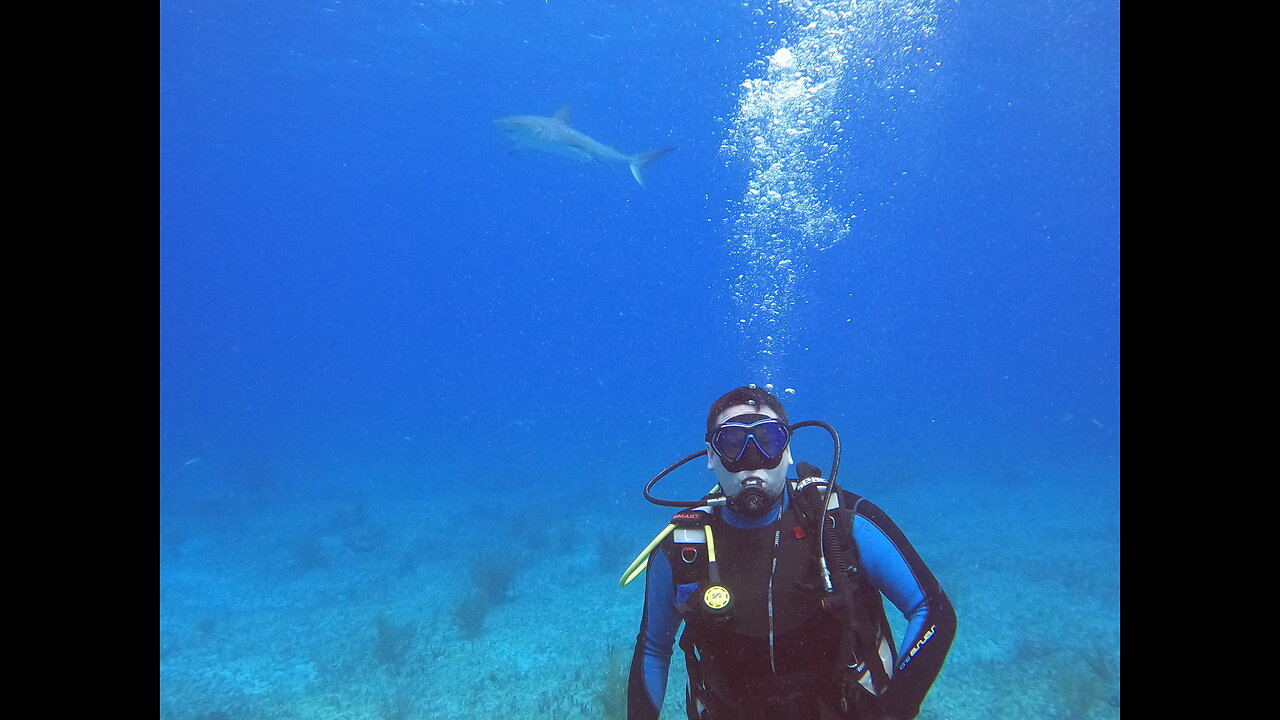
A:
[(750, 442)]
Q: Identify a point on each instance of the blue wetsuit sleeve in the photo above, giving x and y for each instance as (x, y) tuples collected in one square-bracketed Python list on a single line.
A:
[(652, 656), (899, 574)]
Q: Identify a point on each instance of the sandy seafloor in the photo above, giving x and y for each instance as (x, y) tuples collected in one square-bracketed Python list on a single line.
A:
[(271, 613)]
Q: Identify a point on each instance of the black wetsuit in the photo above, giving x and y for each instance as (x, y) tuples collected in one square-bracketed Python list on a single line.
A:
[(794, 643)]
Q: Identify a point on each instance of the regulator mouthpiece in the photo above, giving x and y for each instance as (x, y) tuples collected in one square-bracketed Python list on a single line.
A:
[(753, 501)]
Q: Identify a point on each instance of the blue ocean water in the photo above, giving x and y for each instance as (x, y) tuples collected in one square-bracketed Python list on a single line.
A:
[(393, 349)]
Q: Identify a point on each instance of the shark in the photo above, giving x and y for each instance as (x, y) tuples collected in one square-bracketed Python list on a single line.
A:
[(555, 136)]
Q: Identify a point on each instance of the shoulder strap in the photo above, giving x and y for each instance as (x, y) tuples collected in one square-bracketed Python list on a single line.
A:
[(686, 546)]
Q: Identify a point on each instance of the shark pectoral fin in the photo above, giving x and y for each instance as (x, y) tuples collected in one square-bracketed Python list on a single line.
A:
[(562, 114), (640, 160)]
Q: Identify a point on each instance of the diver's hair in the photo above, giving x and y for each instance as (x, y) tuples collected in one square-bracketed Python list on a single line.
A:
[(745, 395)]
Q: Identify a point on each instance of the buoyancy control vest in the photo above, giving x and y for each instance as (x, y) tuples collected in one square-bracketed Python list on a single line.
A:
[(780, 644)]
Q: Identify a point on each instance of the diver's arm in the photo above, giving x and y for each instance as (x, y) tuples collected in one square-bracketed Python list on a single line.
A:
[(652, 657), (898, 572)]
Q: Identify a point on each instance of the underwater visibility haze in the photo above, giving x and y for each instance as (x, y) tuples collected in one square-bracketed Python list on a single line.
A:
[(443, 284)]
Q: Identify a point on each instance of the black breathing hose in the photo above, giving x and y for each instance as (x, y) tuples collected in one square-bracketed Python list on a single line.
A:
[(664, 473)]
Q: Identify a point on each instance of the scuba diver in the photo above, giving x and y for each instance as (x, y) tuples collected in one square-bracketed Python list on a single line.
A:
[(778, 583)]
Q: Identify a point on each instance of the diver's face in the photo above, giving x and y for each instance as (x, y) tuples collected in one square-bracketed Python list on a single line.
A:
[(732, 483)]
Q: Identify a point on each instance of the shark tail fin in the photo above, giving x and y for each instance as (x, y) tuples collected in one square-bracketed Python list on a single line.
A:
[(640, 160)]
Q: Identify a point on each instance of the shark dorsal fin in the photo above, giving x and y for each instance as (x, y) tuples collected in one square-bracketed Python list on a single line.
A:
[(563, 114)]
